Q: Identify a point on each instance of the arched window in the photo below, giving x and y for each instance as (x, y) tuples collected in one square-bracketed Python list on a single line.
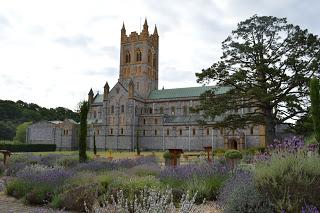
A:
[(149, 56), (139, 55), (168, 132), (180, 132), (155, 132), (154, 61), (161, 110), (128, 57), (121, 131)]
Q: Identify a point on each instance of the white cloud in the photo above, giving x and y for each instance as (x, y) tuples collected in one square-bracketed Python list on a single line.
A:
[(53, 52)]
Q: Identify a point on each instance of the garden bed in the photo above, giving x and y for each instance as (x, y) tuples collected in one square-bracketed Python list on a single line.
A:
[(60, 182)]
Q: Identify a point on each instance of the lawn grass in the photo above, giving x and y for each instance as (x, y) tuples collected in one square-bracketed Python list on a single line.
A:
[(118, 155)]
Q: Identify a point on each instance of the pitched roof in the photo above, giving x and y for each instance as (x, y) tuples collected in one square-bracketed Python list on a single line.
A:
[(184, 92), (98, 98)]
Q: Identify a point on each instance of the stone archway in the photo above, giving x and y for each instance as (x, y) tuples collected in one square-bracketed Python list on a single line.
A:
[(233, 143)]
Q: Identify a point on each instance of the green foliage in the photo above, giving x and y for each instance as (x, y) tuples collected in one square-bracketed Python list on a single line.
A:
[(28, 147), (265, 66), (94, 144), (206, 188), (246, 198), (56, 202), (21, 132), (14, 113), (290, 181), (133, 185), (167, 155), (84, 108), (68, 161), (74, 198), (146, 170), (18, 188), (40, 194), (138, 142), (7, 130), (315, 107), (233, 154)]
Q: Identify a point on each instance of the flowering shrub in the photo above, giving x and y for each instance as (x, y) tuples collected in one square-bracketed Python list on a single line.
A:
[(147, 200), (290, 181), (114, 164), (186, 172), (13, 168), (239, 194), (1, 168), (146, 169), (42, 174), (205, 179), (131, 185), (291, 145)]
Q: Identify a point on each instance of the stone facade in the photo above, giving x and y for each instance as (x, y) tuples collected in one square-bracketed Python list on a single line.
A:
[(62, 133), (135, 110)]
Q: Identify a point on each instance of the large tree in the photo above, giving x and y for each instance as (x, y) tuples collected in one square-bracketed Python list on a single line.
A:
[(315, 107), (266, 65), (84, 108)]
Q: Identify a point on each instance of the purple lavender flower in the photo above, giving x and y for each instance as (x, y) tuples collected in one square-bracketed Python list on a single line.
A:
[(99, 165), (189, 171), (43, 174), (309, 209)]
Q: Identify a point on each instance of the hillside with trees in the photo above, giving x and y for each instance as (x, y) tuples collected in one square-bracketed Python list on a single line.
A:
[(14, 113)]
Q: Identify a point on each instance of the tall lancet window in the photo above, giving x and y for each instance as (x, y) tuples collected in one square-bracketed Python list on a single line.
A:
[(139, 55), (128, 57)]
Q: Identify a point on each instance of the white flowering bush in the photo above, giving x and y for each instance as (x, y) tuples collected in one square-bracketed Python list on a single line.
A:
[(149, 201)]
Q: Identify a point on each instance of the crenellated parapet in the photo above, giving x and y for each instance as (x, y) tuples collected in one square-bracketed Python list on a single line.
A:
[(143, 36)]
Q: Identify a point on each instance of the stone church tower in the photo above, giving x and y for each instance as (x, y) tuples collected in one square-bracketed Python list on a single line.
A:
[(139, 62)]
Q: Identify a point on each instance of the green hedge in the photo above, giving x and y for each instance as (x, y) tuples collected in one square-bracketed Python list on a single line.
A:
[(28, 147)]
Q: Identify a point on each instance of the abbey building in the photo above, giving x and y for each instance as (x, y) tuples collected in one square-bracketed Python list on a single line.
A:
[(136, 110)]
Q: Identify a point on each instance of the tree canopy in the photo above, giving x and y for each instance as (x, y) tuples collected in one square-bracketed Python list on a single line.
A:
[(21, 132), (14, 113), (267, 65)]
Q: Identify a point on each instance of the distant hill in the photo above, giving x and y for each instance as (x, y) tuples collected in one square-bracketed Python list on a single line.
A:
[(14, 113)]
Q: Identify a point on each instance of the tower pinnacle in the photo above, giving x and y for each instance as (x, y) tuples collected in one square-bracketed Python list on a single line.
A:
[(155, 32)]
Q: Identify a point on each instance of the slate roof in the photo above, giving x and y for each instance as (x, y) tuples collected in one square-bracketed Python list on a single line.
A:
[(98, 98), (184, 92), (191, 119), (175, 93)]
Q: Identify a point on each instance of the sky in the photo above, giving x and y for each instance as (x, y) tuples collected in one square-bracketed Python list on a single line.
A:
[(53, 51)]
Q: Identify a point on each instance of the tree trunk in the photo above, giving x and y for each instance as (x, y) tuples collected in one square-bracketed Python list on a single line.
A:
[(270, 126)]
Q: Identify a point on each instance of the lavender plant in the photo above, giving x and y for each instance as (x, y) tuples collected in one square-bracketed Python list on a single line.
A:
[(114, 164), (36, 174), (239, 194), (187, 172), (287, 146)]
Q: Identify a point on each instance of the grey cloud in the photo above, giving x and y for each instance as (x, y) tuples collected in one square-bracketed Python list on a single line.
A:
[(171, 74), (10, 81), (105, 72), (110, 51), (37, 29), (75, 41), (4, 22)]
